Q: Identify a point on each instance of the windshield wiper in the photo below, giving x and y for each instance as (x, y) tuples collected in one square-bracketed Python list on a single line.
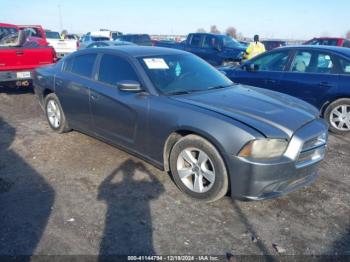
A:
[(220, 86), (182, 92)]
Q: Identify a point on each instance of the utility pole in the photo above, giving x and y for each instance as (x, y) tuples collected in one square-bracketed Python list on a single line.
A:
[(60, 17)]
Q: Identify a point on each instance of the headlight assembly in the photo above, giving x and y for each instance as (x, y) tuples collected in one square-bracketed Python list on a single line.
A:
[(264, 149)]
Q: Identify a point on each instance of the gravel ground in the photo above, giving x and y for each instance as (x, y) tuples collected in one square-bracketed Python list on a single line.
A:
[(72, 194)]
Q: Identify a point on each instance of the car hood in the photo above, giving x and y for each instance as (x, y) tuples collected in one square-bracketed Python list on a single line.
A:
[(271, 113)]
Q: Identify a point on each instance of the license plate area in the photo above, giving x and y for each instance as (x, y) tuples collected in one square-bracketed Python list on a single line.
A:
[(23, 75)]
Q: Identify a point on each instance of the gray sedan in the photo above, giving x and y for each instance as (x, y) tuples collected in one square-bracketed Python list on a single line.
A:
[(179, 113)]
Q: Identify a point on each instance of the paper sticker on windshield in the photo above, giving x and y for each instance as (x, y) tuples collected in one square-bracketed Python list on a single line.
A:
[(156, 63)]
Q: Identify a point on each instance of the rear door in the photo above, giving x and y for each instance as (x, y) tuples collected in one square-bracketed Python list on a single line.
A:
[(72, 86), (268, 70), (312, 76), (194, 44), (118, 116), (210, 49)]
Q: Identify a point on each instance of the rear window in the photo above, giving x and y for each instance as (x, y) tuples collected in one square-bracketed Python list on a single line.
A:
[(99, 38), (53, 35), (81, 65)]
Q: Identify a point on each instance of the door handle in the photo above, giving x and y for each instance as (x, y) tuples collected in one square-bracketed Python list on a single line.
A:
[(19, 53), (325, 84)]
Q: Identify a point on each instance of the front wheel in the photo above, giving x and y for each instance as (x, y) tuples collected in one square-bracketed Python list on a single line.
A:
[(55, 115), (198, 169), (338, 116)]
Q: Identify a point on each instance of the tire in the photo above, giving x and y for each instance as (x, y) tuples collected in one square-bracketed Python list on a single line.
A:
[(334, 112), (55, 115), (210, 175)]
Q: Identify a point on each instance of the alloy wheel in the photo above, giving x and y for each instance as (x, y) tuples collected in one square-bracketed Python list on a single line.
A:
[(53, 113), (196, 170), (340, 117)]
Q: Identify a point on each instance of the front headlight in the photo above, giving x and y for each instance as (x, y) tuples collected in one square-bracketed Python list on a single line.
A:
[(264, 149)]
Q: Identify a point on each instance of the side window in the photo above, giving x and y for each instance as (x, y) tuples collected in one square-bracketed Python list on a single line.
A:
[(313, 62), (82, 65), (210, 41), (346, 43), (301, 61), (345, 66), (196, 40), (67, 64), (275, 61), (324, 64), (114, 69)]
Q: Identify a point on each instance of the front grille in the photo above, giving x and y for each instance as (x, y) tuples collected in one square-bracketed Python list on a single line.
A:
[(312, 151)]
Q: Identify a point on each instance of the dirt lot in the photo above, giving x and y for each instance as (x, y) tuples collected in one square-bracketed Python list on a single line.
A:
[(72, 194)]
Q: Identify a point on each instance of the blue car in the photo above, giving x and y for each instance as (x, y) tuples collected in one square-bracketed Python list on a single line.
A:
[(176, 111), (320, 75), (216, 49)]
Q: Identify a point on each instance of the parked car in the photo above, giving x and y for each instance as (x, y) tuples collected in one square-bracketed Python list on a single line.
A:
[(19, 57), (112, 35), (181, 114), (62, 47), (108, 43), (319, 75), (272, 44), (139, 39), (88, 39), (218, 50), (331, 41)]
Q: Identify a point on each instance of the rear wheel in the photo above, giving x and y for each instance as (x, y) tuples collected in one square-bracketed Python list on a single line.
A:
[(55, 115), (198, 169), (338, 116)]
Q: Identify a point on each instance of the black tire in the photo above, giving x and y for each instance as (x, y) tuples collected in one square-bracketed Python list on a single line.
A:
[(220, 185), (63, 124), (328, 111)]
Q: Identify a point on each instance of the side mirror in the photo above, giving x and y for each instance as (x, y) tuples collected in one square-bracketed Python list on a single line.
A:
[(129, 86)]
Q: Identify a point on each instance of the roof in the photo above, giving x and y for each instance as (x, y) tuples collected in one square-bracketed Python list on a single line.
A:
[(139, 51), (335, 49), (8, 25), (341, 38)]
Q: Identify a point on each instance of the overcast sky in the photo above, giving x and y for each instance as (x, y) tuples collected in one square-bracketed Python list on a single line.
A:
[(270, 18)]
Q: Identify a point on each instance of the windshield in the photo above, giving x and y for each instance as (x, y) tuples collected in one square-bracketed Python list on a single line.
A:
[(53, 35), (230, 42), (182, 73)]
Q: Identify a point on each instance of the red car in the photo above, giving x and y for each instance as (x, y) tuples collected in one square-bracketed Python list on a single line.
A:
[(21, 52), (331, 41)]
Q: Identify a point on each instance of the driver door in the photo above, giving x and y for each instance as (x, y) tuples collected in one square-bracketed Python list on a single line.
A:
[(118, 116), (268, 71)]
